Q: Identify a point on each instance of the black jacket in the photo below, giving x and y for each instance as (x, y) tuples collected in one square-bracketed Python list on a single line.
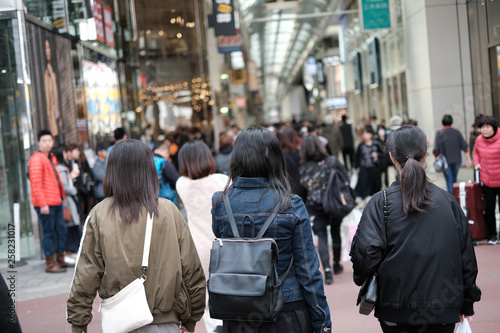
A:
[(428, 275)]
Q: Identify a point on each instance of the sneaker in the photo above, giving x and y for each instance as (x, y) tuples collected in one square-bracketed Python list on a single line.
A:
[(337, 269), (328, 276), (492, 241)]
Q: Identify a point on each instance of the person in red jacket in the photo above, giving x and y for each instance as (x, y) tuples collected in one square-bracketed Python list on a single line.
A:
[(487, 160), (47, 195)]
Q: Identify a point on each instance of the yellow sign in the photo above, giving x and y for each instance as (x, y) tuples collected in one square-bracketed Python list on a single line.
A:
[(222, 8), (239, 75)]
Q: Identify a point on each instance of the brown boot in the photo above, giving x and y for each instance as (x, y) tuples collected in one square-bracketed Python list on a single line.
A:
[(53, 267), (61, 262)]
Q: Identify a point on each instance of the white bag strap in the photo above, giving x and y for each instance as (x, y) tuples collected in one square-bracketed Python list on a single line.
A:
[(462, 194), (147, 245)]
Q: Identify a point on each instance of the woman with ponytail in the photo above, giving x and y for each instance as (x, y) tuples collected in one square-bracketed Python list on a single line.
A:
[(415, 237)]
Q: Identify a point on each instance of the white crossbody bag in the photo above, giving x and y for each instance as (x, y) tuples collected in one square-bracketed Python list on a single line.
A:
[(128, 309)]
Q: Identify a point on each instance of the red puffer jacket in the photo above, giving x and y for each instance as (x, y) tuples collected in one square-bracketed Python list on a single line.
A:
[(487, 153), (46, 190)]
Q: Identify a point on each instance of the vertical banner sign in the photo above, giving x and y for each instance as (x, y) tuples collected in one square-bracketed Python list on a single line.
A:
[(374, 64), (108, 25), (224, 18), (375, 14), (99, 24)]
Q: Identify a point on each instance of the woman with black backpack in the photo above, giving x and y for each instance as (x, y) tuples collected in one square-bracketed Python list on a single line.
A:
[(314, 174), (259, 185)]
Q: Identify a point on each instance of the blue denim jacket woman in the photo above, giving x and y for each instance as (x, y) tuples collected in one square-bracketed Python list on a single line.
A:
[(259, 185)]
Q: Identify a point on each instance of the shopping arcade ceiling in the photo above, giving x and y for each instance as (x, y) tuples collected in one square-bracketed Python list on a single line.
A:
[(281, 35)]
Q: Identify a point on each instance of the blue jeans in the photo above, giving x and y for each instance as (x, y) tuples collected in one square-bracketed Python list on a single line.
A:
[(53, 230), (450, 175)]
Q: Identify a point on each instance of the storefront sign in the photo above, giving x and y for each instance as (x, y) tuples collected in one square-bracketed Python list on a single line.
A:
[(108, 25), (241, 102), (99, 24), (230, 44), (335, 103), (239, 75), (375, 14), (224, 18)]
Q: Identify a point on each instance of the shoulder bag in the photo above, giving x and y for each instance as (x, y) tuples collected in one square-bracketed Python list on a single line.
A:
[(129, 309), (441, 164), (369, 290)]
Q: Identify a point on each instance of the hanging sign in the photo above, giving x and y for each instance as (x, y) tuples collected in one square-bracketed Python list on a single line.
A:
[(224, 18), (108, 25), (99, 24), (375, 14), (228, 44)]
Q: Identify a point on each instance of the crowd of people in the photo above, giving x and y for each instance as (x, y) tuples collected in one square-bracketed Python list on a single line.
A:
[(258, 169)]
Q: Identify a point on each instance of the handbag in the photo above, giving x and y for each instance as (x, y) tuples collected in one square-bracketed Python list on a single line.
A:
[(243, 282), (368, 294), (441, 164), (129, 309), (66, 211)]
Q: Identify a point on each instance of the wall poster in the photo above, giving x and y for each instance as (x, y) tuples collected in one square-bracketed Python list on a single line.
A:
[(53, 99)]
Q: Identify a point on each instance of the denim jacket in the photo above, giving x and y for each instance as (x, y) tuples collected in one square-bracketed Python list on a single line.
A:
[(292, 231)]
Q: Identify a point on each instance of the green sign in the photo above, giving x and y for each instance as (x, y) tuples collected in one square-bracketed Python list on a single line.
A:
[(376, 14)]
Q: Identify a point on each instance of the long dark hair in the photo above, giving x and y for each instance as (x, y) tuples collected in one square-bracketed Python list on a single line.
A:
[(196, 160), (257, 153), (408, 146), (131, 179), (311, 149), (288, 139), (59, 153)]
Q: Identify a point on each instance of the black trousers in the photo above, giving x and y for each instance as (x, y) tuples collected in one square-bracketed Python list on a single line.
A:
[(348, 153), (490, 199), (321, 221), (294, 318), (407, 328)]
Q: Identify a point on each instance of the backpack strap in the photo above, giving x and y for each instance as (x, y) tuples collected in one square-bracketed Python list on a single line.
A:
[(268, 222), (230, 217), (285, 273), (234, 227)]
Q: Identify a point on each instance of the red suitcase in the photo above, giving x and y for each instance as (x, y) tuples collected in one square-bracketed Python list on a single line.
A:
[(470, 197)]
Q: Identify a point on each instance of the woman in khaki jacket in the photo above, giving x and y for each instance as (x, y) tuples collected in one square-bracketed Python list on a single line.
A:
[(111, 250)]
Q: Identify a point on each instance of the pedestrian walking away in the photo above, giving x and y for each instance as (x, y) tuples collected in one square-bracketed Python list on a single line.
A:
[(111, 252), (314, 174), (196, 187), (258, 185), (414, 222), (450, 142)]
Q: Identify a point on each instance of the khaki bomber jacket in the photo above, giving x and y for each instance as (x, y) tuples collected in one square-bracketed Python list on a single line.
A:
[(110, 257)]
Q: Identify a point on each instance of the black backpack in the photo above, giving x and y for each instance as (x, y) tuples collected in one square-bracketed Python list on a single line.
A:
[(243, 282), (339, 197)]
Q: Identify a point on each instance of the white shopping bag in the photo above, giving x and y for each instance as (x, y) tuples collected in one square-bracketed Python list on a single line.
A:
[(464, 327), (348, 229), (354, 180)]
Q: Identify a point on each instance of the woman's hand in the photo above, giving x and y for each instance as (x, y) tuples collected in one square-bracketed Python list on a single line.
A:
[(184, 330), (477, 166), (462, 316)]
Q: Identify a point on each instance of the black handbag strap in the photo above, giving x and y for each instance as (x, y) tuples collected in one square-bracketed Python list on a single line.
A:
[(234, 227), (440, 146)]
